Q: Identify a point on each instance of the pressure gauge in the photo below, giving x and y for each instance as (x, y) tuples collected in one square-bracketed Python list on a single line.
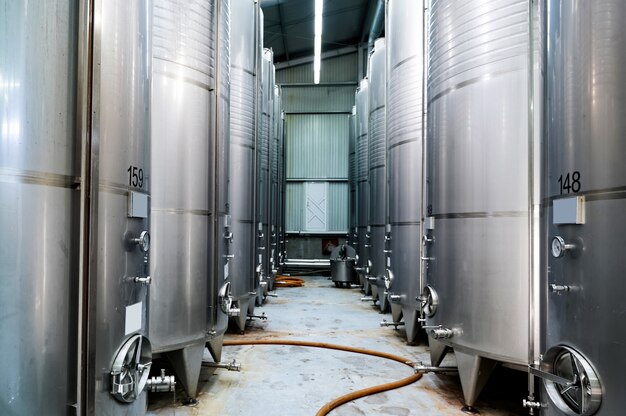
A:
[(559, 247), (143, 241)]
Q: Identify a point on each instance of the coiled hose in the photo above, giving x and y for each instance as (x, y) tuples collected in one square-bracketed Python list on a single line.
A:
[(288, 281), (324, 410)]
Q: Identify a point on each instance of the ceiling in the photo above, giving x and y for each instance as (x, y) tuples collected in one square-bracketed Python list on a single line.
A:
[(289, 31)]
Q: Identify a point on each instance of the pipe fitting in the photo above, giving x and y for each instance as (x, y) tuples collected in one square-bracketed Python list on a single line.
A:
[(441, 333), (161, 384)]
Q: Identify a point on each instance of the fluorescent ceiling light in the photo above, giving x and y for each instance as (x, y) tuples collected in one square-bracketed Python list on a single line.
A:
[(319, 7)]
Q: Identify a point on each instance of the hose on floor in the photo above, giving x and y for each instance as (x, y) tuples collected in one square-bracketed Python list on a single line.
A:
[(288, 281), (333, 404)]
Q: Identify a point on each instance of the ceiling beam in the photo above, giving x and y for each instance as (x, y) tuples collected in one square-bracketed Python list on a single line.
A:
[(308, 59), (282, 31)]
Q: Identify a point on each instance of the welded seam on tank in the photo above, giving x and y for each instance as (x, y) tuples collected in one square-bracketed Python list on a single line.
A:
[(119, 189), (405, 223), (484, 77), (200, 212), (404, 142), (187, 80), (490, 214), (8, 175), (404, 61), (246, 70), (380, 107), (243, 144), (605, 194)]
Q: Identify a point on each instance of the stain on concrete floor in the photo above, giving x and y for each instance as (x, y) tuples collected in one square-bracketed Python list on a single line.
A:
[(297, 381)]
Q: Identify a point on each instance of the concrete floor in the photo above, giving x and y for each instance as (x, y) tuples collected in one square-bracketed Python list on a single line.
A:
[(297, 381)]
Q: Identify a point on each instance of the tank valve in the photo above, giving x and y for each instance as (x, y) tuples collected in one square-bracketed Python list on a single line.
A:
[(162, 384), (441, 333), (395, 298), (232, 366), (531, 406), (559, 289), (395, 325), (372, 279), (143, 280), (262, 317)]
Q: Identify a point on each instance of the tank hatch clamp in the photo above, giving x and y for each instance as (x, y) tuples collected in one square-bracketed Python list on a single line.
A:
[(131, 368), (225, 300)]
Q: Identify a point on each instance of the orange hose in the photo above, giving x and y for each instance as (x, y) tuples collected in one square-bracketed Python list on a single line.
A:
[(288, 281), (324, 410)]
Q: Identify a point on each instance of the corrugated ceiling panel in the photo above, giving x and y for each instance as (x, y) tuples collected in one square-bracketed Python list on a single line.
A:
[(318, 99), (338, 69), (317, 146)]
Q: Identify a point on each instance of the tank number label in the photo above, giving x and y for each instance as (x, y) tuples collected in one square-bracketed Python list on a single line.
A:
[(570, 183), (135, 176)]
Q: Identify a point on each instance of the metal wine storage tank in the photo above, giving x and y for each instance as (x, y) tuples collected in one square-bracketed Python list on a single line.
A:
[(263, 175), (584, 214), (377, 172), (483, 173), (39, 208), (275, 195), (405, 145), (352, 179), (219, 291), (118, 353), (362, 150), (183, 208), (242, 171)]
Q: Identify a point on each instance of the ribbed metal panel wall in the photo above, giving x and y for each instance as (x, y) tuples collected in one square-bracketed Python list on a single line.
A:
[(339, 69), (317, 146), (318, 99), (316, 137)]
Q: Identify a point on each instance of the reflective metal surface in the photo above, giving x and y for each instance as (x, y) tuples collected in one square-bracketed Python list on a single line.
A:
[(121, 130), (352, 179), (586, 122), (405, 69), (38, 206), (184, 150), (377, 165), (483, 174), (362, 151), (242, 171), (263, 186)]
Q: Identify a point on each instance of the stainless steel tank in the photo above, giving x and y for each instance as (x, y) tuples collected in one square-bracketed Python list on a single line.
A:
[(377, 165), (219, 291), (183, 206), (39, 178), (362, 151), (585, 204), (242, 170), (275, 194), (352, 179), (483, 174), (263, 176), (405, 146), (118, 352)]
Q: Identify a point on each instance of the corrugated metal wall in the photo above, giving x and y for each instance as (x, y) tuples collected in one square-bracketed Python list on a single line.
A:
[(316, 137)]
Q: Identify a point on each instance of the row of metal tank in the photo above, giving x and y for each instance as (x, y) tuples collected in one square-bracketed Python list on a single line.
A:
[(128, 163), (495, 225)]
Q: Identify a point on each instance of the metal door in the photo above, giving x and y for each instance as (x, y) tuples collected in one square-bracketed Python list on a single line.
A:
[(316, 206)]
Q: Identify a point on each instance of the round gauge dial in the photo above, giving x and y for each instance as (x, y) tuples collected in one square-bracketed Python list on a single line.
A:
[(144, 241), (558, 247)]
